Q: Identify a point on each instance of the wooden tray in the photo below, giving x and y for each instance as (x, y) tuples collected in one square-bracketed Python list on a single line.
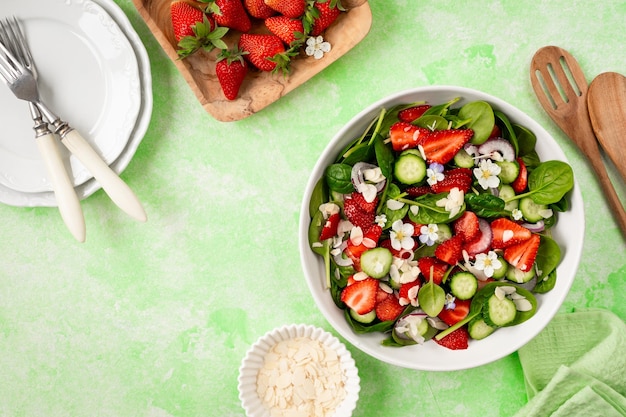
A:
[(260, 88)]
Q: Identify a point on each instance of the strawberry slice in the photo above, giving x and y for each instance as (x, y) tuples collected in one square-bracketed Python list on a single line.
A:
[(389, 309), (466, 226), (521, 182), (496, 132), (412, 113), (408, 292), (406, 136), (361, 296), (482, 242), (441, 145), (357, 215), (507, 233), (451, 250), (457, 340), (330, 227), (460, 178), (523, 255), (454, 315), (418, 190), (438, 267), (370, 240), (361, 202)]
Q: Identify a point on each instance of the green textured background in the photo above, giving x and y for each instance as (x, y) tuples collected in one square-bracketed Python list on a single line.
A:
[(153, 319)]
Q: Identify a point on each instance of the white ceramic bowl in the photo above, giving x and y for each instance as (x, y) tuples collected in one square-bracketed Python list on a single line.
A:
[(430, 356), (254, 359)]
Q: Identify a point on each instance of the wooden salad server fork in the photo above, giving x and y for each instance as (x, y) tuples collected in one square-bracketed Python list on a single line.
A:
[(607, 110), (561, 88)]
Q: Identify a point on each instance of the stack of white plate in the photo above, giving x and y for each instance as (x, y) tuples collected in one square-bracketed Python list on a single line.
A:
[(94, 73)]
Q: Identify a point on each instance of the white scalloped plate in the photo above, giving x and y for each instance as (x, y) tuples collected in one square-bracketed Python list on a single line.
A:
[(47, 198), (88, 74)]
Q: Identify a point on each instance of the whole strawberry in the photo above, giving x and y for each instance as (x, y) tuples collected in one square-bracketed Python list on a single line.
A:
[(328, 12), (258, 9), (265, 52), (231, 70), (289, 8), (184, 17), (229, 13), (287, 29), (194, 30)]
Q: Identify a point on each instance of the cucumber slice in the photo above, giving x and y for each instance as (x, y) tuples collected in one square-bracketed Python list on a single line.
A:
[(376, 262), (463, 160), (519, 276), (501, 272), (363, 318), (410, 168), (531, 210), (463, 285), (478, 329), (509, 170), (499, 311), (507, 192)]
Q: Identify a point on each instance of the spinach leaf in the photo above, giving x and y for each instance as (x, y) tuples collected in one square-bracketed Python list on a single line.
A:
[(319, 196), (431, 122), (428, 211), (508, 132), (546, 284), (360, 152), (486, 205), (431, 298), (384, 156), (383, 326), (548, 257), (526, 140), (550, 181), (482, 120), (441, 109), (339, 178)]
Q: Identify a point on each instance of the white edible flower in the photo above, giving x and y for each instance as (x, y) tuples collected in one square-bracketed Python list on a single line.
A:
[(488, 263), (316, 47), (429, 234), (381, 220), (434, 173), (453, 202), (487, 174), (402, 235), (517, 214)]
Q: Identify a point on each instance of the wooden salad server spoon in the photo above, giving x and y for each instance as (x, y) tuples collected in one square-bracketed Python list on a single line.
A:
[(607, 110), (561, 88)]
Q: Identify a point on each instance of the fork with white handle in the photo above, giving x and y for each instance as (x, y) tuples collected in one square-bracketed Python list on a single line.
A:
[(67, 200), (18, 68)]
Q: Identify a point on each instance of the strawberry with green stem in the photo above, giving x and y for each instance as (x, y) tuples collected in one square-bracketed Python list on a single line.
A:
[(229, 13), (194, 30), (231, 70), (266, 52)]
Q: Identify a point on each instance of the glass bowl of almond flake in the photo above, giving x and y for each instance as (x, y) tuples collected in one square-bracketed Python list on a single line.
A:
[(298, 370)]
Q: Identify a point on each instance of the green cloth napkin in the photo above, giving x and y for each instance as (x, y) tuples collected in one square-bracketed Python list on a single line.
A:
[(576, 367)]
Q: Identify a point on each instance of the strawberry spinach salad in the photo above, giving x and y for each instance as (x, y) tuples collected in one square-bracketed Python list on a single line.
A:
[(436, 224)]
